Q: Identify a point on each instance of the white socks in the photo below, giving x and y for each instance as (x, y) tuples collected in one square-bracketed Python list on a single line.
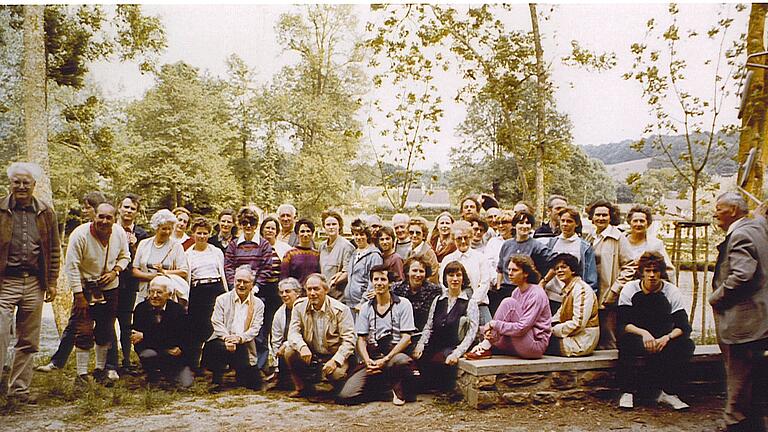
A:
[(81, 357), (485, 344), (101, 356)]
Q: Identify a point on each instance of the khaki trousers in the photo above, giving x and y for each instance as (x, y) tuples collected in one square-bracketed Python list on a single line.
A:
[(25, 295)]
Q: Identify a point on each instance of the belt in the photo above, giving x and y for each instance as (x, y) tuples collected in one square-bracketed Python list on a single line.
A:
[(203, 281), (19, 272)]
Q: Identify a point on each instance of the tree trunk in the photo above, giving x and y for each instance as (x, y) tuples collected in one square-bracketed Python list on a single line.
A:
[(540, 117), (753, 125), (35, 106), (694, 254)]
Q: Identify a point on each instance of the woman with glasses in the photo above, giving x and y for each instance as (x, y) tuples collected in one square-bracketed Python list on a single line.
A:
[(418, 230)]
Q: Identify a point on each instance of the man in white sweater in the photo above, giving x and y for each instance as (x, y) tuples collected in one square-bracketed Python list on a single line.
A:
[(96, 254)]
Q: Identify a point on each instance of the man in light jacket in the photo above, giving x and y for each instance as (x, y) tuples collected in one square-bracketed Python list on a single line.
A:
[(237, 318)]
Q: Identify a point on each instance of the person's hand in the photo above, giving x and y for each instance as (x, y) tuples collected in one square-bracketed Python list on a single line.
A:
[(80, 304), (329, 367), (306, 354), (374, 366), (136, 337), (175, 351), (649, 342), (158, 268), (280, 351), (50, 294), (417, 352), (230, 346), (369, 295), (131, 239), (451, 360), (662, 342), (233, 339), (107, 278), (609, 299)]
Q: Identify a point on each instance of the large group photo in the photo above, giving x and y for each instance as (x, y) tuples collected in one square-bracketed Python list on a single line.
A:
[(472, 217)]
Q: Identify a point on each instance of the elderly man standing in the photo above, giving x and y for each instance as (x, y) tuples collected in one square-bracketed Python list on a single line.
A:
[(740, 305), (237, 319), (286, 213), (29, 266), (159, 334), (321, 338), (96, 255)]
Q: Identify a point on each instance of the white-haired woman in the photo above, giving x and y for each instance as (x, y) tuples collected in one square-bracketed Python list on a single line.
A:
[(160, 255)]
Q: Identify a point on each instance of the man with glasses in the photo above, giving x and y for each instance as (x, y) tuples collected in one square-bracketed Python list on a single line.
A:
[(474, 262), (29, 266)]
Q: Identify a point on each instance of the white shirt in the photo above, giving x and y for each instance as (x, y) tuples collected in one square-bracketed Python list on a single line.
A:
[(478, 269), (206, 264), (241, 313), (571, 245)]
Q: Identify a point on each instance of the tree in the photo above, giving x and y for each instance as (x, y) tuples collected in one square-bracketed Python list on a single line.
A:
[(241, 92), (178, 137), (315, 102), (412, 123), (661, 68)]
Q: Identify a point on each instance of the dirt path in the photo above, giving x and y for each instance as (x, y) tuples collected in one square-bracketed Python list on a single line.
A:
[(275, 412)]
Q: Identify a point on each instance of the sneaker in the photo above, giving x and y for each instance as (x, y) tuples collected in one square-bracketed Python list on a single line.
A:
[(396, 399), (671, 401), (112, 375), (50, 367), (627, 401)]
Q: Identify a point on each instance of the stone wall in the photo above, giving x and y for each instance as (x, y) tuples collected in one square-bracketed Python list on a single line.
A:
[(549, 387)]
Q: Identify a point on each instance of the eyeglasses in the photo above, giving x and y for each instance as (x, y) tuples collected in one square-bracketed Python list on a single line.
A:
[(248, 222), (414, 232), (461, 238)]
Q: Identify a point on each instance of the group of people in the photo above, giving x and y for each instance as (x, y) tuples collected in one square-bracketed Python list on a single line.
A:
[(383, 316)]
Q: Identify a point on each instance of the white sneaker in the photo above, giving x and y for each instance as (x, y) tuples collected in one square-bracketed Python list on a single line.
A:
[(627, 401), (50, 367), (396, 400), (671, 401), (112, 375)]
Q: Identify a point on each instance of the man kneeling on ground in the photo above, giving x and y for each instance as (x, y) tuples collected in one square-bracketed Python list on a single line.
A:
[(237, 319), (160, 328), (321, 338)]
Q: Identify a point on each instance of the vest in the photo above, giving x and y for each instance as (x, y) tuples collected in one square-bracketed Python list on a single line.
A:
[(445, 325)]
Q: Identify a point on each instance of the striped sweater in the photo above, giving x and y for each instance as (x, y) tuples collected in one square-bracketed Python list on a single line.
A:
[(256, 252)]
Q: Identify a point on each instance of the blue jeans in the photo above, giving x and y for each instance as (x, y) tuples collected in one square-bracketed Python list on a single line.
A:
[(66, 344)]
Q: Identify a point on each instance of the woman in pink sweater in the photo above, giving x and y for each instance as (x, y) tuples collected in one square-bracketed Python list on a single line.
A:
[(522, 324)]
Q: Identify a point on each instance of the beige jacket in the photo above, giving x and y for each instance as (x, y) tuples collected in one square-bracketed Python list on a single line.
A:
[(224, 316), (339, 329), (615, 266)]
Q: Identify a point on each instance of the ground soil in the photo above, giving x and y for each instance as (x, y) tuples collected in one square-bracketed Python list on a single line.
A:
[(274, 411)]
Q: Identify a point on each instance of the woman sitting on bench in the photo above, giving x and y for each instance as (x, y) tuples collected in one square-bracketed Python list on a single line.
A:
[(575, 327), (522, 324)]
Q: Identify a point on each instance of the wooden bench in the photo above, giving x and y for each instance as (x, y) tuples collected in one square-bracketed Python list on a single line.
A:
[(507, 379)]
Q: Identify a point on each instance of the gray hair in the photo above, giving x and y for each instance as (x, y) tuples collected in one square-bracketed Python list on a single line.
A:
[(400, 218), (30, 168), (461, 225), (734, 199), (286, 208), (289, 283), (247, 268), (164, 281), (161, 217)]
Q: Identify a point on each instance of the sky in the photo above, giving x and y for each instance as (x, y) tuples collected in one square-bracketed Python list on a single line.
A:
[(603, 107)]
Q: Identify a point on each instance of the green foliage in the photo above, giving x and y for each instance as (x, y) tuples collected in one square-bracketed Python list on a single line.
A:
[(660, 67), (589, 60), (313, 104), (177, 142), (412, 123), (77, 35)]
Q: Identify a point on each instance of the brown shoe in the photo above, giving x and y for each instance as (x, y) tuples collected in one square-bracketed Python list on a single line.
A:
[(479, 355)]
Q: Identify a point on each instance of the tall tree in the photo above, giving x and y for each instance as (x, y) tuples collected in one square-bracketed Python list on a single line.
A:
[(541, 89), (660, 66), (316, 101), (241, 92), (178, 138)]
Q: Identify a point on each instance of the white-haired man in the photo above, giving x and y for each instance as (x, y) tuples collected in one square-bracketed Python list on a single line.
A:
[(237, 318), (740, 305), (159, 335), (29, 266), (400, 222)]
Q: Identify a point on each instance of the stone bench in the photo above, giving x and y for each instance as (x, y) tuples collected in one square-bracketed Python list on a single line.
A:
[(511, 380)]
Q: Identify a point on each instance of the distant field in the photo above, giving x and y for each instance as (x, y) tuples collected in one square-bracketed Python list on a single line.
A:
[(620, 171)]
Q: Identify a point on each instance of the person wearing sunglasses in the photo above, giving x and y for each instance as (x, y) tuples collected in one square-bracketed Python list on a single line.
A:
[(418, 229)]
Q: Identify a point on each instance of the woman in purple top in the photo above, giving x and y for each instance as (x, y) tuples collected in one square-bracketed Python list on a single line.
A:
[(385, 241), (302, 260), (522, 324)]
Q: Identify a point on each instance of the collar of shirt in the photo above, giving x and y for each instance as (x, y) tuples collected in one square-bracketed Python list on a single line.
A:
[(241, 238), (734, 225), (246, 301), (156, 309), (462, 295), (32, 206), (323, 308)]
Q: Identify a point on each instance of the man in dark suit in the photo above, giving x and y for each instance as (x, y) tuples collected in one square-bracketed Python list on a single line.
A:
[(740, 304), (159, 335)]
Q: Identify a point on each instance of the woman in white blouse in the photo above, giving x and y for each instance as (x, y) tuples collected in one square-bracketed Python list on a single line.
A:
[(206, 266), (159, 255)]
